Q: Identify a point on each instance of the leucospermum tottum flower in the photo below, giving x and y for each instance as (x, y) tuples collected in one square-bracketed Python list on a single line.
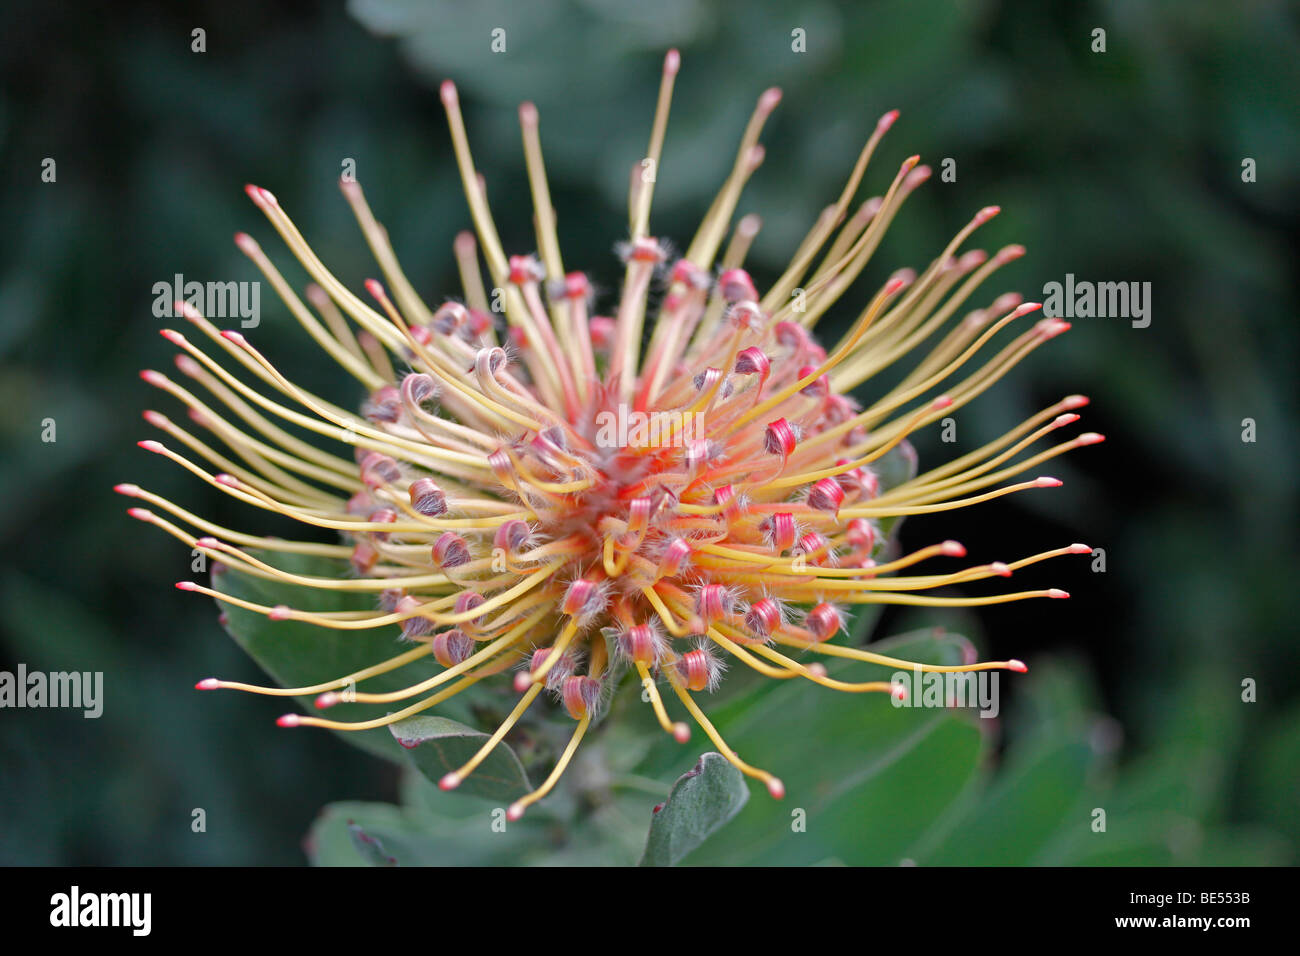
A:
[(487, 510)]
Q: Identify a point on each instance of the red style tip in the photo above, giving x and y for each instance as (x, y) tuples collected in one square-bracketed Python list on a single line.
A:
[(449, 782), (186, 586), (1020, 667), (448, 93), (151, 445), (254, 192), (1090, 438), (236, 337), (376, 289), (953, 549), (1080, 548), (899, 692), (943, 401), (208, 683), (681, 733), (1030, 307), (1046, 482), (140, 514), (287, 720), (888, 120), (672, 62), (281, 612), (153, 378), (1069, 418), (131, 491), (172, 336), (326, 700), (528, 113), (987, 213), (1075, 401), (1058, 594), (769, 100), (230, 481), (246, 243), (776, 788), (514, 812)]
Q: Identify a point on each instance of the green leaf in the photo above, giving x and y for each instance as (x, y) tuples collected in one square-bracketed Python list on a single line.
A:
[(1130, 839), (1037, 809), (864, 779), (297, 653), (701, 802), (1244, 846), (437, 745), (370, 834), (334, 838), (433, 828), (370, 848), (1029, 802)]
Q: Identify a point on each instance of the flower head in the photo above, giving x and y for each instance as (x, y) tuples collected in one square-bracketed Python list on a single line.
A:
[(667, 490)]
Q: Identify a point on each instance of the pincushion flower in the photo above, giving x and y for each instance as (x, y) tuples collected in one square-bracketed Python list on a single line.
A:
[(555, 498)]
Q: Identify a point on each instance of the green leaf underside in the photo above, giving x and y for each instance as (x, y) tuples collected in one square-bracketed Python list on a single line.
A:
[(701, 802), (437, 745)]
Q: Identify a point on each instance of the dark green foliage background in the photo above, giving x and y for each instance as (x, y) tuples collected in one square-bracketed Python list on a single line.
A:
[(1122, 166)]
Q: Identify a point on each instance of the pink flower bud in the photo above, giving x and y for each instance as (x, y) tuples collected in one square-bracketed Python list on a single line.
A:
[(450, 551), (580, 696), (824, 622), (452, 647), (427, 498), (735, 285)]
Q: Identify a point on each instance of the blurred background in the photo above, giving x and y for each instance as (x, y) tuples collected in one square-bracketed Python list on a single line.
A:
[(1125, 165)]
